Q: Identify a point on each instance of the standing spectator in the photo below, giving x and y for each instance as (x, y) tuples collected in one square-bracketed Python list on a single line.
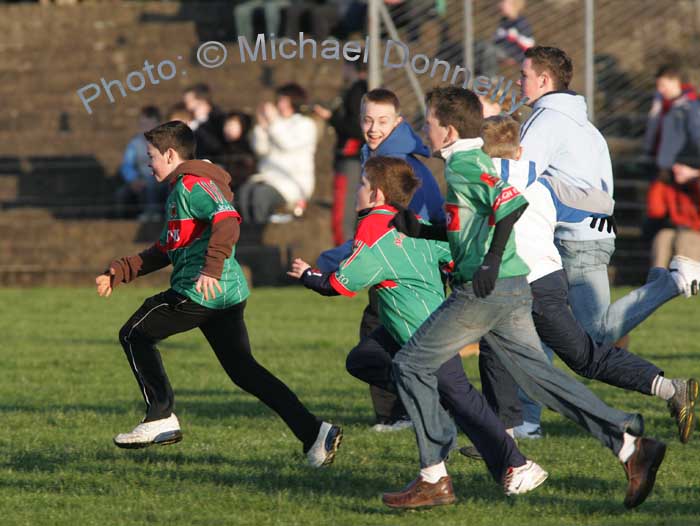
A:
[(208, 121), (140, 191), (346, 122), (510, 41), (238, 158), (285, 142), (673, 138), (179, 112)]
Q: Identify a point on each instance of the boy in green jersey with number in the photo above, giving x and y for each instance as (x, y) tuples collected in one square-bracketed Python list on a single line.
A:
[(207, 291)]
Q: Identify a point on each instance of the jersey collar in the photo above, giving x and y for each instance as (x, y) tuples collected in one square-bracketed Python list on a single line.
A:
[(461, 145)]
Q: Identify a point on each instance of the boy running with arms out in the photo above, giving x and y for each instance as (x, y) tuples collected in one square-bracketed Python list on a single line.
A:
[(405, 272), (208, 291), (491, 298)]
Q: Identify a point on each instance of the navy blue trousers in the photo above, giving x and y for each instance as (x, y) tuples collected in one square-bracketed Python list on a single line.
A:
[(558, 328), (371, 362)]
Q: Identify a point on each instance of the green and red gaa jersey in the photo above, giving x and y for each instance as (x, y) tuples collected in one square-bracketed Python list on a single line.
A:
[(476, 200), (404, 270), (194, 204)]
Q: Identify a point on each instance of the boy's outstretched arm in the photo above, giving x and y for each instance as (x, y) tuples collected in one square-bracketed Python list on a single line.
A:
[(126, 269), (484, 279), (311, 278)]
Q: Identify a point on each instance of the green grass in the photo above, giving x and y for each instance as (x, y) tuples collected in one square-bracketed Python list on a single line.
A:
[(66, 389)]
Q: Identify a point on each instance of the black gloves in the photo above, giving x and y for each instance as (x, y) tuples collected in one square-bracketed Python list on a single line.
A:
[(406, 222), (484, 279), (602, 222)]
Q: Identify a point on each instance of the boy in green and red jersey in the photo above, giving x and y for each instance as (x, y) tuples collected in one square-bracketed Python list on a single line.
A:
[(208, 291), (406, 274), (490, 298)]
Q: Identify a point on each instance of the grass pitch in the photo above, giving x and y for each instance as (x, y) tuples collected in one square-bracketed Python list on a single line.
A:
[(66, 389)]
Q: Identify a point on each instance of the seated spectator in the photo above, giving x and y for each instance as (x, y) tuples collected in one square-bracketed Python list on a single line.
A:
[(509, 42), (238, 158), (243, 14), (179, 112), (140, 193), (673, 138), (285, 143), (207, 123)]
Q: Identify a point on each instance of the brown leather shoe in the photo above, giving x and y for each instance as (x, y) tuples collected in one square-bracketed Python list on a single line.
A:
[(420, 493), (641, 469)]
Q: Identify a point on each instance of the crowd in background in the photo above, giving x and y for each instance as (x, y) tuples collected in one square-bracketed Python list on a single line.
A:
[(270, 155)]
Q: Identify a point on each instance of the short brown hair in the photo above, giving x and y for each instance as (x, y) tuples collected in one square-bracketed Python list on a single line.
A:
[(501, 135), (174, 134), (554, 61), (394, 177), (669, 71), (201, 91), (297, 95), (458, 107), (382, 96)]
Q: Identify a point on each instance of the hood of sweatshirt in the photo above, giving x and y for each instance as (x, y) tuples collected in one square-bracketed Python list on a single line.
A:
[(207, 170), (567, 103), (402, 141)]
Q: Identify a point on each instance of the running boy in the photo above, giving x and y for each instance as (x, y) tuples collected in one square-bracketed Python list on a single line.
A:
[(405, 272), (491, 298), (208, 291)]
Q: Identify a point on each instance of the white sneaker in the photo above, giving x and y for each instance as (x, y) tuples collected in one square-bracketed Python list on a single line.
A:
[(524, 478), (688, 274), (395, 426), (164, 431), (327, 442)]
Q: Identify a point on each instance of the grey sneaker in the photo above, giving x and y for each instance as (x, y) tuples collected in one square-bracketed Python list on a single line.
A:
[(322, 452), (682, 406)]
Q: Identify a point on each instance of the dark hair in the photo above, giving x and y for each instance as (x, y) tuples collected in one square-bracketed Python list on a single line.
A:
[(296, 94), (201, 91), (243, 118), (151, 112), (554, 61), (457, 107), (174, 134), (394, 177), (670, 71), (501, 135), (179, 108), (382, 96)]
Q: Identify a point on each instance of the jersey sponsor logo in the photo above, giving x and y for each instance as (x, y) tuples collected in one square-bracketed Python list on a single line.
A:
[(506, 195), (183, 232), (490, 180), (452, 217)]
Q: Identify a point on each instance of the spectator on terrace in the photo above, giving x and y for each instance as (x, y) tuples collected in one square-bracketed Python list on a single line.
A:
[(285, 142), (238, 158), (207, 122), (673, 139)]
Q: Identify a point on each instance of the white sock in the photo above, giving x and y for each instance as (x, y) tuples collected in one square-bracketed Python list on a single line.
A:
[(628, 447), (662, 387), (432, 474), (510, 432)]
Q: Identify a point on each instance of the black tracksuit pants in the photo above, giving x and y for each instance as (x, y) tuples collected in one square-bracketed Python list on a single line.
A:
[(371, 362), (170, 313), (558, 328)]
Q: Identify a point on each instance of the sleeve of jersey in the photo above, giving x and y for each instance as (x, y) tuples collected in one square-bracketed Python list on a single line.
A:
[(506, 199), (360, 270), (444, 254), (576, 204)]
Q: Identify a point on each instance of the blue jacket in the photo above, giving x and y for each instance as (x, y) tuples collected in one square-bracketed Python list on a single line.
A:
[(135, 162), (427, 201), (405, 144)]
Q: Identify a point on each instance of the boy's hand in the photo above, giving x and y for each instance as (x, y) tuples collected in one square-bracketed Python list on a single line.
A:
[(104, 283), (603, 222), (484, 279), (299, 266), (205, 286)]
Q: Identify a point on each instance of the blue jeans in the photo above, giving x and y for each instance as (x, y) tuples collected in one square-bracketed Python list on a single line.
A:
[(586, 266), (504, 319)]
